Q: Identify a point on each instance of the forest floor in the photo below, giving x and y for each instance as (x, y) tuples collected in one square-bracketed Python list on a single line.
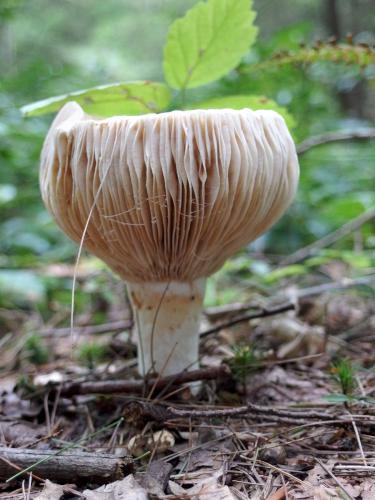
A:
[(285, 408)]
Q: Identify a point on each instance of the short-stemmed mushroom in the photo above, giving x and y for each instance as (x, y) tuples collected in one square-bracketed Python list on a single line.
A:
[(164, 199)]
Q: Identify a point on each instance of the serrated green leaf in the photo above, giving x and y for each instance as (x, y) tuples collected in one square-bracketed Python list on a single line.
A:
[(253, 102), (208, 42), (129, 98)]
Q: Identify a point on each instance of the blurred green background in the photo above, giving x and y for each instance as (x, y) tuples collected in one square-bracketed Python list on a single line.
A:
[(49, 47)]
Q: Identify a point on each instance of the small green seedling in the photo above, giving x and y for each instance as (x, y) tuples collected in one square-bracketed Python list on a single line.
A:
[(344, 374), (90, 354), (35, 349), (244, 362)]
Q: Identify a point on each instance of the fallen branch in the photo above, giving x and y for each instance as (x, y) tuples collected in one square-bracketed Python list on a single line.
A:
[(112, 326), (66, 467), (249, 408), (329, 239), (138, 386), (269, 414), (336, 285), (340, 135), (137, 410), (263, 313)]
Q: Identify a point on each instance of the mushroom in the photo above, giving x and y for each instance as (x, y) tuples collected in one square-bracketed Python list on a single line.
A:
[(164, 199)]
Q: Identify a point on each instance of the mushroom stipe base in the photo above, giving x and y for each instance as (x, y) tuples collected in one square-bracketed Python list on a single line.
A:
[(167, 317)]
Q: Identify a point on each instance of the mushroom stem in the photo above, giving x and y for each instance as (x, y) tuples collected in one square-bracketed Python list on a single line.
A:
[(167, 321)]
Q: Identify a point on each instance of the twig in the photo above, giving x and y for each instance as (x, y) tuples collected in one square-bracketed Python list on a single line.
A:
[(242, 410), (112, 326), (330, 238), (354, 468), (137, 386), (14, 466), (340, 135), (336, 285), (263, 313), (356, 432)]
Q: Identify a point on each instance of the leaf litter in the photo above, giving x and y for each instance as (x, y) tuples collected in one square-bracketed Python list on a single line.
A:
[(302, 433)]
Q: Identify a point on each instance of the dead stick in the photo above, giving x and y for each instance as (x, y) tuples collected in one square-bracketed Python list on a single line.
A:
[(137, 386), (267, 414), (249, 408), (68, 467), (340, 135), (89, 329), (330, 238), (263, 313)]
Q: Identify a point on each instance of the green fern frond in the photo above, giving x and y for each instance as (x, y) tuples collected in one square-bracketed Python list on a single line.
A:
[(361, 55)]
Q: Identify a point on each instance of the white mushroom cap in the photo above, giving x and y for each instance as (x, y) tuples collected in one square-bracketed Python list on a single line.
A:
[(168, 196)]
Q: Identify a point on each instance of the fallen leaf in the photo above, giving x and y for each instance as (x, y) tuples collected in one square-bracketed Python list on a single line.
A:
[(368, 489), (21, 433), (51, 491), (280, 494), (207, 486), (126, 489)]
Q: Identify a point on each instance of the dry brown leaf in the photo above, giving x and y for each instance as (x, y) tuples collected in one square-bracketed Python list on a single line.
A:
[(206, 488), (51, 491), (316, 493), (21, 433), (12, 406), (345, 311), (125, 489), (280, 494), (291, 337)]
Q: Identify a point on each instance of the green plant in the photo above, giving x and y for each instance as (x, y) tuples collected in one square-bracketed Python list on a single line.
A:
[(344, 375), (90, 354), (361, 55), (203, 46), (35, 349), (244, 361)]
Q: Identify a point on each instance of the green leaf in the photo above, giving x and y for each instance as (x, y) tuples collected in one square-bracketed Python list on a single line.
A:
[(337, 398), (338, 211), (208, 42), (130, 98), (253, 102)]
